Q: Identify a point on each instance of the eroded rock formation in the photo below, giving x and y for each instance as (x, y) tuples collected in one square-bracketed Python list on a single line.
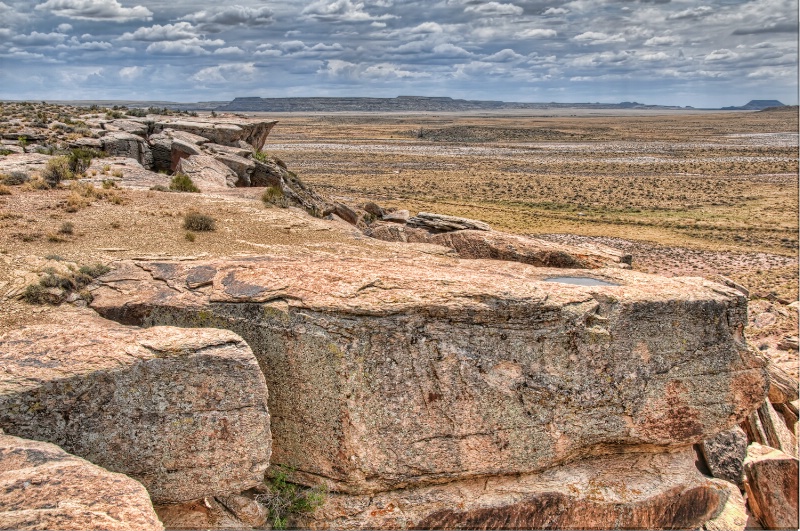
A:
[(386, 374), (182, 411), (43, 487)]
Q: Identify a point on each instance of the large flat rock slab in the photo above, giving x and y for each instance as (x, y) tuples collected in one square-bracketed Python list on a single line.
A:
[(637, 491), (224, 131), (44, 487), (385, 373), (182, 411)]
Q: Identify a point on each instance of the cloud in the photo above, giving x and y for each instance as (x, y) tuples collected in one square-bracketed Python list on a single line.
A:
[(536, 34), (225, 73), (495, 9), (129, 73), (450, 50), (232, 16), (778, 27), (555, 11), (100, 10), (663, 40), (426, 27), (342, 11), (184, 47), (344, 70), (504, 56), (39, 39), (594, 37), (167, 32), (691, 13), (721, 55), (64, 28)]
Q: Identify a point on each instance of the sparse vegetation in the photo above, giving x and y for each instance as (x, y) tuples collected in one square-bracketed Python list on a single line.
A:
[(15, 178), (284, 499), (55, 287), (183, 183), (57, 170), (5, 190), (195, 221), (190, 236), (66, 228), (273, 195)]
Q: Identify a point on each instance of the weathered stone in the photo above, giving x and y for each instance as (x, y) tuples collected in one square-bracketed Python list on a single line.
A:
[(268, 173), (500, 246), (25, 162), (248, 510), (182, 411), (442, 223), (43, 487), (397, 216), (225, 131), (636, 491), (772, 486), (724, 454), (127, 145), (207, 513), (373, 209), (186, 137), (127, 173), (161, 147), (87, 143), (351, 215), (180, 149), (767, 427), (782, 387), (134, 127), (241, 166), (788, 343), (218, 148), (733, 516), (207, 173), (393, 372)]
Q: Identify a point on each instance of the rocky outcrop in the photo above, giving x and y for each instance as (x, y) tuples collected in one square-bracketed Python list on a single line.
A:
[(27, 163), (207, 173), (182, 411), (127, 145), (242, 167), (225, 131), (393, 373), (207, 513), (43, 487), (733, 516), (440, 223), (641, 491), (772, 487), (724, 454), (125, 172), (498, 245)]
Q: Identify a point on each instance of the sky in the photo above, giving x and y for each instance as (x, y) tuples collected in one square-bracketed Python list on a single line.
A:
[(670, 52)]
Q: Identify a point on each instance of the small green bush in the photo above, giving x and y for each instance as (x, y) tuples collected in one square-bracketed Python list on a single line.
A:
[(80, 159), (273, 195), (198, 222), (15, 178), (285, 499), (57, 170), (183, 183), (189, 236)]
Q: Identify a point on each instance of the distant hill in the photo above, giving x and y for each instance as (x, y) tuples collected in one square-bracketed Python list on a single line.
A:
[(755, 105), (405, 104)]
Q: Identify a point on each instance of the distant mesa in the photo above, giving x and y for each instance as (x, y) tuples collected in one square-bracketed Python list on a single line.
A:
[(756, 105)]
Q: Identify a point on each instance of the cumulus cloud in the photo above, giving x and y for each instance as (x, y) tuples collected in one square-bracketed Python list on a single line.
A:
[(345, 70), (721, 55), (495, 9), (777, 27), (167, 32), (39, 39), (232, 16), (535, 33), (225, 73), (691, 13), (64, 28), (555, 11), (594, 37), (663, 40), (504, 56), (104, 10), (342, 11), (129, 73)]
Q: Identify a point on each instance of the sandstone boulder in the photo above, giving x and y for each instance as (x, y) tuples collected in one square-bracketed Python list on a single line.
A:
[(206, 514), (207, 173), (218, 148), (135, 127), (638, 491), (733, 516), (497, 245), (161, 147), (241, 166), (772, 486), (24, 162), (386, 373), (127, 145), (724, 454), (127, 173), (182, 411), (225, 131), (397, 216), (441, 223), (43, 487)]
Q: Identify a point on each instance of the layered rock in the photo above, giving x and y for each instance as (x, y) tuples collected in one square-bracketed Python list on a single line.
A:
[(496, 245), (207, 172), (126, 172), (43, 487), (182, 411), (772, 486), (225, 131), (127, 145), (393, 373), (640, 491), (441, 223)]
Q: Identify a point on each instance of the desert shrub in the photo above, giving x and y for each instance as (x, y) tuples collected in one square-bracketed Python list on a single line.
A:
[(76, 201), (273, 195), (4, 152), (183, 183), (54, 287), (66, 228), (141, 113), (109, 184), (15, 178), (160, 188), (57, 170), (38, 294), (5, 190), (80, 159), (94, 270), (189, 236), (285, 499), (198, 222)]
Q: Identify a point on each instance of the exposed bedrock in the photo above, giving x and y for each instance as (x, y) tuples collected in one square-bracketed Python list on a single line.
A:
[(224, 131), (182, 411), (44, 487), (389, 373), (636, 491), (128, 145), (496, 245)]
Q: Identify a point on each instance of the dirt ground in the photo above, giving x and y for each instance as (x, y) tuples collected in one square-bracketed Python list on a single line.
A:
[(699, 194)]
